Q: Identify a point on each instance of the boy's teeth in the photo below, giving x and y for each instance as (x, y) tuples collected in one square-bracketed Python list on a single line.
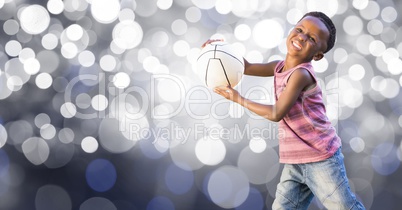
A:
[(296, 45)]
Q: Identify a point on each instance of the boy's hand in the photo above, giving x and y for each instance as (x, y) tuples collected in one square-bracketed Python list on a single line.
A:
[(209, 41), (229, 93)]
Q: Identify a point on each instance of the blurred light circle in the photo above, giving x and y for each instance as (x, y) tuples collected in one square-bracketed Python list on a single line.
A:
[(377, 47), (126, 14), (108, 63), (83, 100), (25, 54), (340, 55), (377, 83), (228, 187), (352, 98), (121, 80), (5, 162), (99, 8), (74, 6), (4, 90), (149, 147), (34, 19), (98, 203), (47, 131), (210, 151), (36, 150), (52, 197), (181, 48), (353, 25), (257, 144), (356, 72), (60, 84), (389, 14), (179, 27), (55, 6), (164, 4), (293, 16), (268, 33), (3, 136), (390, 88), (11, 27), (43, 80), (255, 56), (223, 7), (375, 27), (14, 67), (394, 66), (116, 49), (13, 48), (204, 4), (400, 125), (182, 148), (111, 137), (74, 32), (242, 32), (150, 63), (371, 11), (49, 41), (170, 87), (99, 102), (388, 35), (321, 65), (361, 43), (357, 144), (261, 167), (127, 34), (86, 58), (69, 50), (384, 159), (160, 202), (66, 135), (19, 131), (89, 144), (14, 83), (31, 66), (360, 4), (101, 175), (246, 9), (160, 38), (330, 7), (254, 201), (193, 14), (68, 110), (161, 145), (177, 180)]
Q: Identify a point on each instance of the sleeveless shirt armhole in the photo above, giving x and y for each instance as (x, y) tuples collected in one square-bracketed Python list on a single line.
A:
[(311, 74)]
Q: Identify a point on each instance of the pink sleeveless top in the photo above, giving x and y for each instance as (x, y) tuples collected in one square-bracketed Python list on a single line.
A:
[(305, 133)]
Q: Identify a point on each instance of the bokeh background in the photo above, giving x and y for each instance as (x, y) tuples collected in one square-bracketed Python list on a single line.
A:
[(101, 106)]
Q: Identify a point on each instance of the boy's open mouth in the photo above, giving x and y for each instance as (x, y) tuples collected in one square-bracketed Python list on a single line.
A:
[(296, 45)]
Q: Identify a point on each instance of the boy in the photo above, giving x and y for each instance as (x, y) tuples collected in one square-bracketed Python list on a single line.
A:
[(310, 149)]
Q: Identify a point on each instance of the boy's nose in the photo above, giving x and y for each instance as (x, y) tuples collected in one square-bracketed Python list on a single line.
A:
[(302, 37)]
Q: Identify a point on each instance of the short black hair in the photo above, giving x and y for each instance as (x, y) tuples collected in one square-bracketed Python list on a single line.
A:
[(328, 23)]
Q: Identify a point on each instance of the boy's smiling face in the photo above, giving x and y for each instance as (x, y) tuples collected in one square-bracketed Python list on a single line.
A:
[(308, 39)]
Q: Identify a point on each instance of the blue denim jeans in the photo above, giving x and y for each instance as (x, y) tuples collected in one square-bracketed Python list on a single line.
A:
[(326, 179)]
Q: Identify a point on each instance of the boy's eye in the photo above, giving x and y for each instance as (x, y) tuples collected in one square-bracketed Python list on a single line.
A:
[(312, 39), (298, 30)]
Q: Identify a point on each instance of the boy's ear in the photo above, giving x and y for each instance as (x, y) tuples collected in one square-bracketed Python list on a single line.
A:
[(318, 56)]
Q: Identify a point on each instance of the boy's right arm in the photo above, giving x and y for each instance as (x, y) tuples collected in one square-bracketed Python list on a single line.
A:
[(260, 69)]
